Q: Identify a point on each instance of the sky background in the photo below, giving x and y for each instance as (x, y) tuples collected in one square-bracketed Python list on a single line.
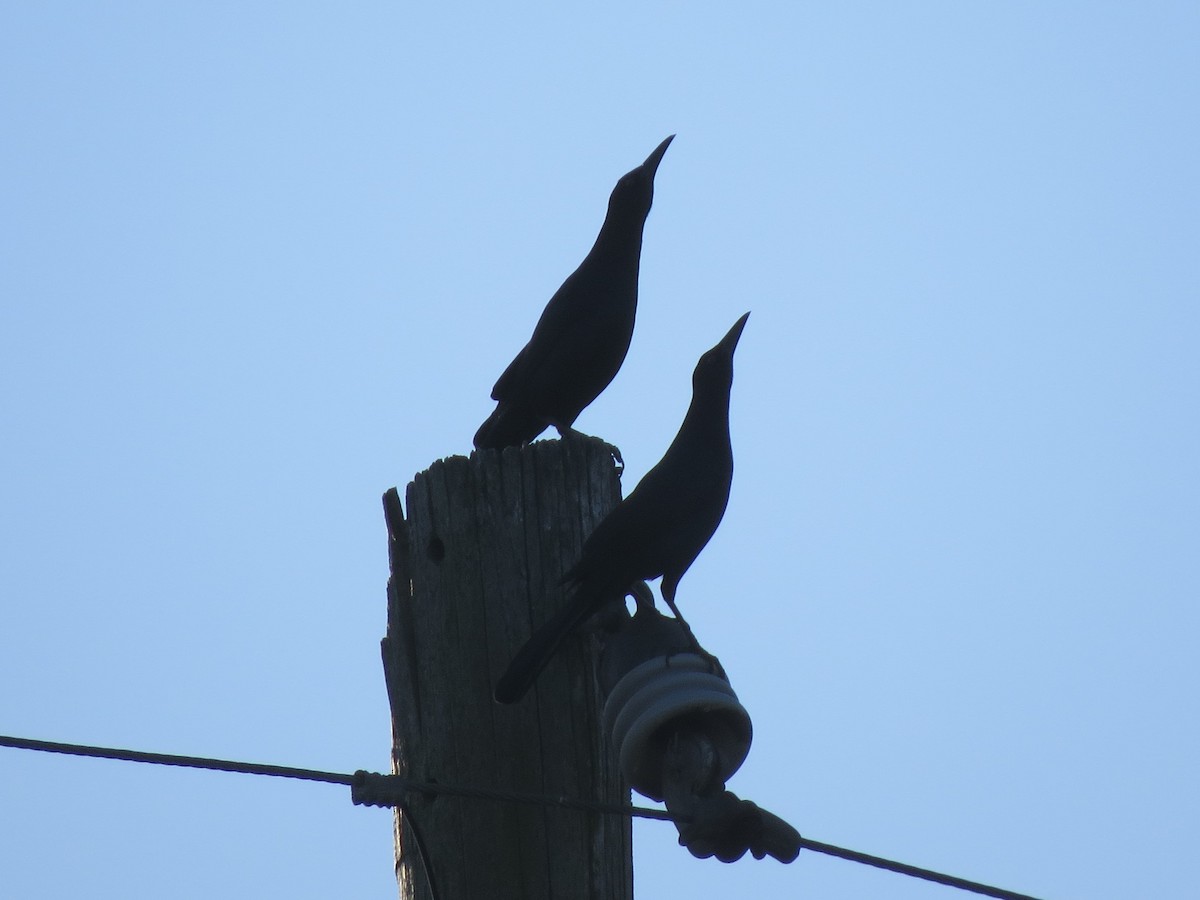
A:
[(261, 261)]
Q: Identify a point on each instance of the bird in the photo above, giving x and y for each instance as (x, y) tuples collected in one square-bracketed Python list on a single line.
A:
[(583, 334), (658, 530)]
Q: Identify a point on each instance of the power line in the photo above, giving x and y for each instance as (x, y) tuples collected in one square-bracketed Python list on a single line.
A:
[(914, 871), (169, 759), (372, 789)]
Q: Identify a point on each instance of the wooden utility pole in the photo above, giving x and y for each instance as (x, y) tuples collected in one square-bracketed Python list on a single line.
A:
[(474, 567)]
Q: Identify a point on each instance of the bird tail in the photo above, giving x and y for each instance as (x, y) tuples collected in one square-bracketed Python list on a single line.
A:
[(542, 645), (508, 426)]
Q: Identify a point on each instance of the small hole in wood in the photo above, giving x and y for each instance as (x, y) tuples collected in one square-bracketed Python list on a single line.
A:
[(430, 795), (436, 549)]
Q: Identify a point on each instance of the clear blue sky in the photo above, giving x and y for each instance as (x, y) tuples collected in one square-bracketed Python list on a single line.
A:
[(261, 261)]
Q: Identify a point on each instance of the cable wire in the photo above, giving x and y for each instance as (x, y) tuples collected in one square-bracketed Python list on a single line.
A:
[(388, 790), (914, 871), (405, 785), (169, 759)]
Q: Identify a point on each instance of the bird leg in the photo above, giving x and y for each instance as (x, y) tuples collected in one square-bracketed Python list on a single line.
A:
[(713, 662)]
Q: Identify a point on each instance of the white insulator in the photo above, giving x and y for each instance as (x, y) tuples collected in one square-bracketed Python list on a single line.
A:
[(650, 697)]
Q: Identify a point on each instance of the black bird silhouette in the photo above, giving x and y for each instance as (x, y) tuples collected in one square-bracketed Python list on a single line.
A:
[(583, 335), (659, 529)]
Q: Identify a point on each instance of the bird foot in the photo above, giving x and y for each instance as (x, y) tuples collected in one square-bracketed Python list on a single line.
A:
[(714, 664), (569, 433), (616, 455)]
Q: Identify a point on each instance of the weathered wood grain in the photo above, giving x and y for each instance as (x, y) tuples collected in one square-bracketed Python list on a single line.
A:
[(475, 567)]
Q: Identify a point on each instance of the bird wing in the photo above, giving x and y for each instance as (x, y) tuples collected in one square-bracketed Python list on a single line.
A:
[(664, 522), (564, 323)]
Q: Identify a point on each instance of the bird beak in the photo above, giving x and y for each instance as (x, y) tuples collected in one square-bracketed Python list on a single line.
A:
[(730, 341), (652, 161)]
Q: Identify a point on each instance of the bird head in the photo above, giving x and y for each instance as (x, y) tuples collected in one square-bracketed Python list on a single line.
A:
[(634, 192), (714, 371)]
